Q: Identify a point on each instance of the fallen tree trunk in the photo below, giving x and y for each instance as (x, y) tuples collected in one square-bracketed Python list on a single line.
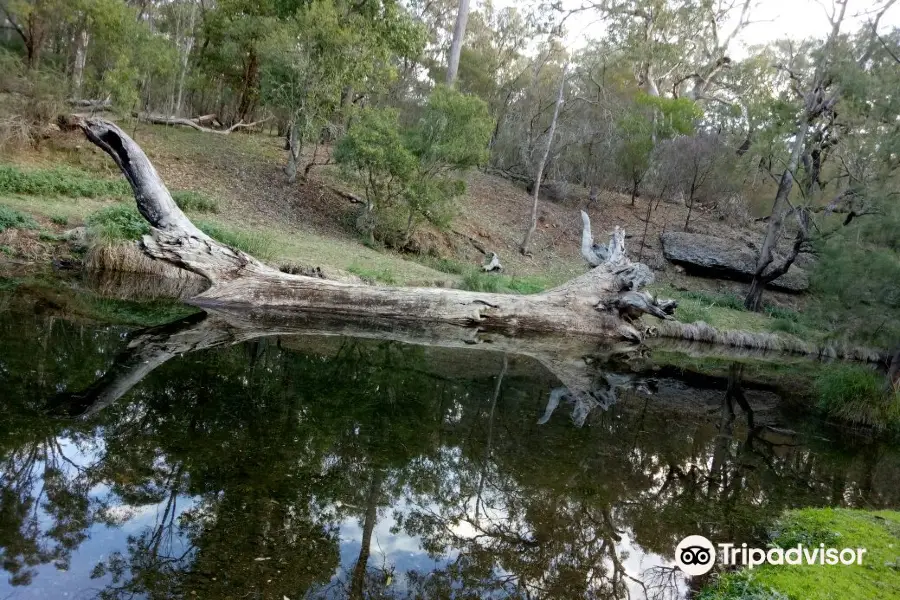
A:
[(602, 302), (194, 123)]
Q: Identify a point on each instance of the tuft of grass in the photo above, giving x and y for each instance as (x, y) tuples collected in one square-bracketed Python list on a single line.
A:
[(60, 181), (479, 281), (13, 219), (856, 395), (257, 244), (444, 265), (372, 276), (121, 222), (740, 586), (61, 220), (726, 300), (191, 201), (7, 251)]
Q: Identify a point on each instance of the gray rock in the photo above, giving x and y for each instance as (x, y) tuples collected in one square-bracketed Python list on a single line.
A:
[(718, 257)]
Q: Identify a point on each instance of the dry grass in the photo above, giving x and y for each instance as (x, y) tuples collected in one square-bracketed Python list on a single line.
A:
[(128, 258), (762, 341)]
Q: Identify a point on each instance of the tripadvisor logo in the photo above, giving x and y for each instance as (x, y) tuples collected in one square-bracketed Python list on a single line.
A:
[(696, 555)]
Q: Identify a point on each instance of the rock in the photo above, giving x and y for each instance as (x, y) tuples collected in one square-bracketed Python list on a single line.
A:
[(717, 257)]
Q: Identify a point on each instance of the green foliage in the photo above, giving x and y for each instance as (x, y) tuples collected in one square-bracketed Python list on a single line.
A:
[(740, 586), (13, 219), (61, 220), (120, 222), (725, 300), (255, 243), (60, 181), (189, 200), (858, 396), (410, 176)]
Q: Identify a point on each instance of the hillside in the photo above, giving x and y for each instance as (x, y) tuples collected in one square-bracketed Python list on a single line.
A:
[(311, 225)]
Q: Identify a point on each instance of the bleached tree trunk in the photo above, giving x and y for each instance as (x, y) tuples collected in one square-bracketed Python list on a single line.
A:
[(186, 46), (543, 163), (459, 32), (82, 38)]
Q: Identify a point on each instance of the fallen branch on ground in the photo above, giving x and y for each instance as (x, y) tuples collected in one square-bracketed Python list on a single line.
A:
[(195, 123)]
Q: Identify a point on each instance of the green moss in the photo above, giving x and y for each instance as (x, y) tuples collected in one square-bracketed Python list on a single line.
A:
[(13, 219), (857, 395), (877, 577)]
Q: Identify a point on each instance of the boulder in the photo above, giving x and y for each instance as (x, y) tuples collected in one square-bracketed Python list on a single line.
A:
[(729, 259)]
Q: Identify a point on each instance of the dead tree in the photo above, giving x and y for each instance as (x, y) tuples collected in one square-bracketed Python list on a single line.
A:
[(593, 304), (540, 170)]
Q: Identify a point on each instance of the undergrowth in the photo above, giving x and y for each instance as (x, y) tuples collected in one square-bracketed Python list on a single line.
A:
[(191, 201), (856, 395), (255, 243), (60, 181), (117, 223), (13, 219)]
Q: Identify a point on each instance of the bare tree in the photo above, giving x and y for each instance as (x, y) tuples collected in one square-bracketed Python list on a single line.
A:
[(459, 32), (540, 170)]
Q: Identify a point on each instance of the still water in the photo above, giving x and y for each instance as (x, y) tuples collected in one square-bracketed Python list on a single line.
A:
[(183, 462)]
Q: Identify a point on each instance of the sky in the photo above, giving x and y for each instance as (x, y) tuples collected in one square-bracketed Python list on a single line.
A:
[(776, 19)]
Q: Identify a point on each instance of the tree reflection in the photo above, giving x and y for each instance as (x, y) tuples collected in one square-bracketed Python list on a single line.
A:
[(254, 458)]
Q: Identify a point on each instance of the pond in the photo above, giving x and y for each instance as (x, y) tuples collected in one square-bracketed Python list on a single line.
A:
[(198, 459)]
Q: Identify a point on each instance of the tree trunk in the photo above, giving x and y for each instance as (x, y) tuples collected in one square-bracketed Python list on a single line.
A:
[(82, 38), (588, 305), (540, 170), (459, 32), (250, 87), (776, 221), (185, 47), (293, 154), (358, 579)]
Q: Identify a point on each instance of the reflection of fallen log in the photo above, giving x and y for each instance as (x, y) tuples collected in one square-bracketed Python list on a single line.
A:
[(195, 123), (569, 359), (589, 305)]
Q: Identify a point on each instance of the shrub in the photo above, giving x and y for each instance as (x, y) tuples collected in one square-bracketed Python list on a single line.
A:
[(856, 395), (13, 219), (189, 200), (66, 182), (254, 243), (121, 222)]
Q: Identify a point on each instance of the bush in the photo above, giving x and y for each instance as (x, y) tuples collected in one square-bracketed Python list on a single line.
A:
[(189, 200), (121, 222), (13, 219), (858, 396), (66, 182), (254, 243)]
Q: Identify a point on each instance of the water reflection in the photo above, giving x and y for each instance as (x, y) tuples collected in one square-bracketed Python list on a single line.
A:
[(201, 460)]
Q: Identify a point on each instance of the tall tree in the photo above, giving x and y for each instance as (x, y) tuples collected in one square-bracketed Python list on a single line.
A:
[(459, 32)]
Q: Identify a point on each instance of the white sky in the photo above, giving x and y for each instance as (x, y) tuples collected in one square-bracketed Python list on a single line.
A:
[(796, 19)]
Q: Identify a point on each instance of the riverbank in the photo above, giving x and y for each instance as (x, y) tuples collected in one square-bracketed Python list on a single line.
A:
[(877, 577), (70, 206)]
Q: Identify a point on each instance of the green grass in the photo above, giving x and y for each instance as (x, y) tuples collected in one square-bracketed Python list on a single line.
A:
[(479, 281), (60, 181), (878, 576), (373, 276), (255, 243), (444, 265), (10, 218), (7, 251), (857, 395), (191, 201), (120, 222), (61, 220)]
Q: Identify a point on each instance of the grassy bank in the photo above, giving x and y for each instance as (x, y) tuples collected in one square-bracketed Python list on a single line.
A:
[(877, 577)]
